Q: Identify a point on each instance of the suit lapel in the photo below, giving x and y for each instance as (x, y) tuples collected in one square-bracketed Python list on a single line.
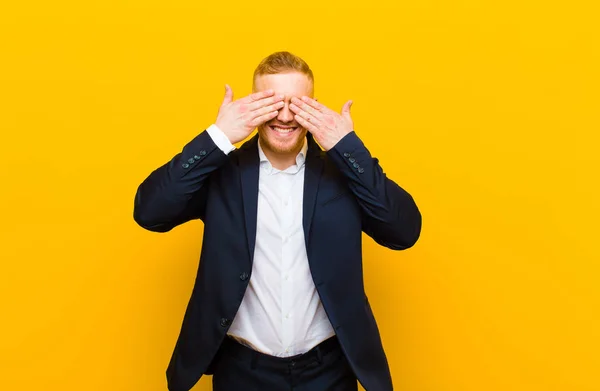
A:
[(249, 164), (312, 176)]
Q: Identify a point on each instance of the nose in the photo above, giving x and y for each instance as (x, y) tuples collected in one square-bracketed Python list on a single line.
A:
[(285, 114)]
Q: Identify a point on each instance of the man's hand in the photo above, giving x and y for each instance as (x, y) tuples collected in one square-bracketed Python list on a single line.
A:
[(238, 119), (327, 126)]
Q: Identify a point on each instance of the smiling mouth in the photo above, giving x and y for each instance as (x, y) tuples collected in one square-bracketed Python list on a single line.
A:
[(281, 130)]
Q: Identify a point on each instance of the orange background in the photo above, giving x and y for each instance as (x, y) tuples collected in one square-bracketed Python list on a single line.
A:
[(486, 112)]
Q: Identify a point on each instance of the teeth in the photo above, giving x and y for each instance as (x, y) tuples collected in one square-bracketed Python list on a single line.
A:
[(281, 130)]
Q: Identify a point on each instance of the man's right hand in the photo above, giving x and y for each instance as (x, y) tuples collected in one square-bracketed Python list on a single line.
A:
[(238, 119)]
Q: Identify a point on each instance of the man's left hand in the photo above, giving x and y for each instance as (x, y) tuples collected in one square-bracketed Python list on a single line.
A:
[(327, 126)]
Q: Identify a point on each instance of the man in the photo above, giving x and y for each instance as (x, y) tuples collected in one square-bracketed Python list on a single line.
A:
[(279, 301)]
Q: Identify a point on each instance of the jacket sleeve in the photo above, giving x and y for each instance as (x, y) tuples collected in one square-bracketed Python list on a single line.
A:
[(176, 192), (389, 214)]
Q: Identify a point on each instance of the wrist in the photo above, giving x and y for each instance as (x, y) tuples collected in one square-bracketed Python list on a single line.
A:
[(220, 138)]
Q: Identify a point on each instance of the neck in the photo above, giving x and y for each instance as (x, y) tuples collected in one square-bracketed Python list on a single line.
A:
[(281, 160)]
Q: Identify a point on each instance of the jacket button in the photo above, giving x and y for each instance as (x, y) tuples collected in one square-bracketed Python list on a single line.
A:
[(196, 157), (225, 322), (352, 160), (202, 153), (361, 170), (355, 165), (185, 165), (346, 154), (244, 276), (191, 160)]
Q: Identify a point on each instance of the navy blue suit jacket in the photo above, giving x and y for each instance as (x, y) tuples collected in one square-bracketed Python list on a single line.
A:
[(345, 193)]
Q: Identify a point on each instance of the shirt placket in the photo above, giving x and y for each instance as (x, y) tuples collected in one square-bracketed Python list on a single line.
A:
[(287, 307)]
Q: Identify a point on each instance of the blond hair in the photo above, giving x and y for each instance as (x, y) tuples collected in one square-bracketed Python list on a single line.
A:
[(282, 62)]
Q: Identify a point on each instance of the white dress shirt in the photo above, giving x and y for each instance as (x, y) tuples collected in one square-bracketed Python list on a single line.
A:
[(281, 313)]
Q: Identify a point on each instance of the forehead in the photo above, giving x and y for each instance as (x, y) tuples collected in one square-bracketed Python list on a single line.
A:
[(288, 84)]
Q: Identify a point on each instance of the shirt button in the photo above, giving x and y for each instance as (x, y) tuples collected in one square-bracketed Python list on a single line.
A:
[(287, 350), (287, 316), (286, 277)]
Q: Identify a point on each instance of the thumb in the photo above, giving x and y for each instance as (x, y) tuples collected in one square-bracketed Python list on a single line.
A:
[(228, 95), (346, 108)]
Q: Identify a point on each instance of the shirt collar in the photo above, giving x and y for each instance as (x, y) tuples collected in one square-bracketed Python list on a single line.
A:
[(300, 159)]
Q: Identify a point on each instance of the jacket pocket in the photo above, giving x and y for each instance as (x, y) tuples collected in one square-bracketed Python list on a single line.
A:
[(336, 197)]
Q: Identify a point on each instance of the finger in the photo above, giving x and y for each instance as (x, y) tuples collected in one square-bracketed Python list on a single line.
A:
[(265, 110), (264, 118), (265, 102), (306, 125), (315, 105), (257, 96), (299, 106), (304, 115), (346, 108), (228, 95)]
